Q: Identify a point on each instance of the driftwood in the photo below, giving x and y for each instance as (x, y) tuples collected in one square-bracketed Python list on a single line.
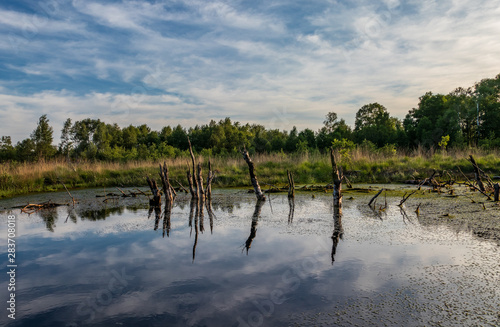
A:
[(123, 193), (258, 192), (34, 207)]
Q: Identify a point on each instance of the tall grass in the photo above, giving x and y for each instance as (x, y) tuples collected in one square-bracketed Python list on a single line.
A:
[(361, 165)]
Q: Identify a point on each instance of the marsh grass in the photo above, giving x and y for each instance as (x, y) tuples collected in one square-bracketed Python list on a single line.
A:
[(362, 166)]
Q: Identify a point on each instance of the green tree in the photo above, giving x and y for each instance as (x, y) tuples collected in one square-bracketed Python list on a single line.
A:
[(7, 151), (330, 122), (374, 124), (435, 116), (66, 143), (292, 140), (307, 135), (487, 95), (129, 135), (25, 150), (42, 138)]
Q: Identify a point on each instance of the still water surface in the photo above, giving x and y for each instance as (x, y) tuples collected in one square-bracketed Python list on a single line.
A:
[(119, 264)]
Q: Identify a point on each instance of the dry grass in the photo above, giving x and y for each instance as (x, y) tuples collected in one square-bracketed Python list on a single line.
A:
[(364, 166)]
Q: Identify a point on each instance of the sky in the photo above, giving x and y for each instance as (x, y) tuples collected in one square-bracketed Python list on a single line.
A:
[(275, 62)]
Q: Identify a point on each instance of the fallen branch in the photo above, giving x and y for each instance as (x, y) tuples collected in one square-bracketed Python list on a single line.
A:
[(406, 198), (123, 193), (182, 187), (376, 196), (34, 207), (470, 184), (71, 196)]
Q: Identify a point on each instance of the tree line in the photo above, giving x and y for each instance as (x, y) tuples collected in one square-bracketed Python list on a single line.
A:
[(463, 118)]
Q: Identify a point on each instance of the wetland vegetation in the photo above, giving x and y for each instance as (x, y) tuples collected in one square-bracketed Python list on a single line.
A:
[(439, 134)]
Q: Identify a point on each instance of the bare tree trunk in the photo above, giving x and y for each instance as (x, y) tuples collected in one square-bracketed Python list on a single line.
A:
[(190, 182), (291, 211), (338, 233), (477, 174), (337, 185), (210, 177), (258, 192), (166, 218), (253, 228), (193, 180), (291, 185), (167, 188), (199, 180), (156, 201)]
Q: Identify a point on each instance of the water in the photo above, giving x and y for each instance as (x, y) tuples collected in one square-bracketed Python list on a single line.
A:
[(114, 264)]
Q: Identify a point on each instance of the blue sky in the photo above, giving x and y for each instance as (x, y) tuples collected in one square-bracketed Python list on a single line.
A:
[(279, 63)]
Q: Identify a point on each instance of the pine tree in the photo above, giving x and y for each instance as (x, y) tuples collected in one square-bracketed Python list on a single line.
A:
[(42, 138)]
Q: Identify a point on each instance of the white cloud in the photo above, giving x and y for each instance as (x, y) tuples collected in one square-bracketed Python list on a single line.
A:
[(218, 59)]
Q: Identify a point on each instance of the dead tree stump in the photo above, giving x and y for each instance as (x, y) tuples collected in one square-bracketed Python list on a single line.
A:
[(210, 177), (337, 184), (193, 183), (258, 192), (156, 200), (199, 180), (190, 182), (477, 173), (168, 190), (291, 185)]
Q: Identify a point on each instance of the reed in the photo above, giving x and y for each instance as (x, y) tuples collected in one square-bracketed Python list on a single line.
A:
[(360, 165)]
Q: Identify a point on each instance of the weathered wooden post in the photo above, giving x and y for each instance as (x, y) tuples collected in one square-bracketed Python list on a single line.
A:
[(496, 192), (258, 192), (337, 184)]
